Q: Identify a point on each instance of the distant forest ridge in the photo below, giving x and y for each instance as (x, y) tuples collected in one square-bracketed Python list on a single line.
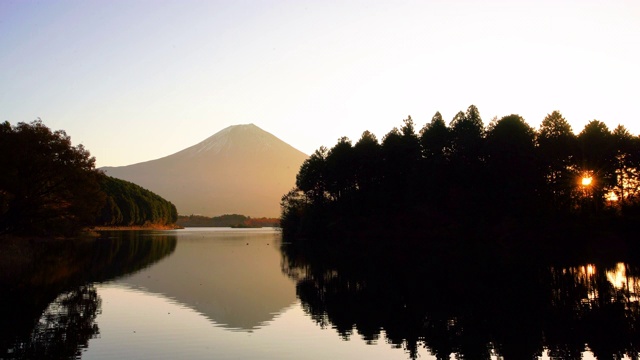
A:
[(227, 220), (465, 175)]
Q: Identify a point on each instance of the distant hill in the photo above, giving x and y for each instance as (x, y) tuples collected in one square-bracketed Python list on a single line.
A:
[(240, 170), (226, 220)]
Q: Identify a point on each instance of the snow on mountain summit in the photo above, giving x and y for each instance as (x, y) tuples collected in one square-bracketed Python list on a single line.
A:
[(234, 138)]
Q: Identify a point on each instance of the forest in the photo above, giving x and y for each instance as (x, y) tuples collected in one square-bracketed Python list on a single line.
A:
[(445, 181), (129, 204), (49, 187)]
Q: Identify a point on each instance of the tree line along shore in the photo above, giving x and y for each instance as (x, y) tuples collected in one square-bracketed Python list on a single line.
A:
[(50, 188), (465, 179)]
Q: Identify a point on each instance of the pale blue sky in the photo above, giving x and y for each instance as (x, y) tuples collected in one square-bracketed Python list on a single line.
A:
[(138, 80)]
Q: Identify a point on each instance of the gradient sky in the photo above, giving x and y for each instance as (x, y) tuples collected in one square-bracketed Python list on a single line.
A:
[(138, 80)]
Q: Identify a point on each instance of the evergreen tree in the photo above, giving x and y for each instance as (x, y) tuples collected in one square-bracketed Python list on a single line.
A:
[(367, 152), (435, 139), (556, 153), (596, 159), (513, 175), (627, 166), (340, 164), (467, 131)]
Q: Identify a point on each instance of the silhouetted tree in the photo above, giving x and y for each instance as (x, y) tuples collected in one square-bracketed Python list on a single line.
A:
[(401, 154), (367, 160), (467, 131), (312, 177), (367, 168), (596, 158), (47, 186), (435, 139), (556, 152), (410, 142), (467, 170), (513, 175), (435, 142), (392, 165), (627, 166), (340, 174)]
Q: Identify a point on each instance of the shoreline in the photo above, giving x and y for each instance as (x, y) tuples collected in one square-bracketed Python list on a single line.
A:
[(135, 227)]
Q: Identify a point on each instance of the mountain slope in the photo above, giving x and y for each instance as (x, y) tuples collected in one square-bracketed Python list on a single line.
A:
[(241, 169)]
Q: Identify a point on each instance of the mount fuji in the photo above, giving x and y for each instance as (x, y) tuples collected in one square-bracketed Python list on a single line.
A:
[(242, 169)]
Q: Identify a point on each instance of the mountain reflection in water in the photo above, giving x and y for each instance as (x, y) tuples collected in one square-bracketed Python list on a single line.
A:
[(231, 276), (470, 306)]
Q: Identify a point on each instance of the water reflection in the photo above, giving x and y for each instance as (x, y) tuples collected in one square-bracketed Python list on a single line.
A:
[(49, 305), (597, 305), (231, 276), (468, 306), (64, 328)]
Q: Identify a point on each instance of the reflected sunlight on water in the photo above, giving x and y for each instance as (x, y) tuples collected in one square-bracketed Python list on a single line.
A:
[(618, 277)]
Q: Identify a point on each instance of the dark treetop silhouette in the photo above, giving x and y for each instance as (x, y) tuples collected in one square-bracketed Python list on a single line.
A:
[(502, 180)]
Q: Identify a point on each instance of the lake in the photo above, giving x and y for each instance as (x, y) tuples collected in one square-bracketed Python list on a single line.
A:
[(218, 293)]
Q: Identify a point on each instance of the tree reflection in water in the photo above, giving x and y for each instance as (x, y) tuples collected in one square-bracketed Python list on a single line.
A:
[(474, 307), (49, 304), (596, 305), (64, 328)]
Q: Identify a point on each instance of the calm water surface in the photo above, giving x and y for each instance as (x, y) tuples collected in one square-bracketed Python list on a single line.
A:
[(220, 295), (212, 293)]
